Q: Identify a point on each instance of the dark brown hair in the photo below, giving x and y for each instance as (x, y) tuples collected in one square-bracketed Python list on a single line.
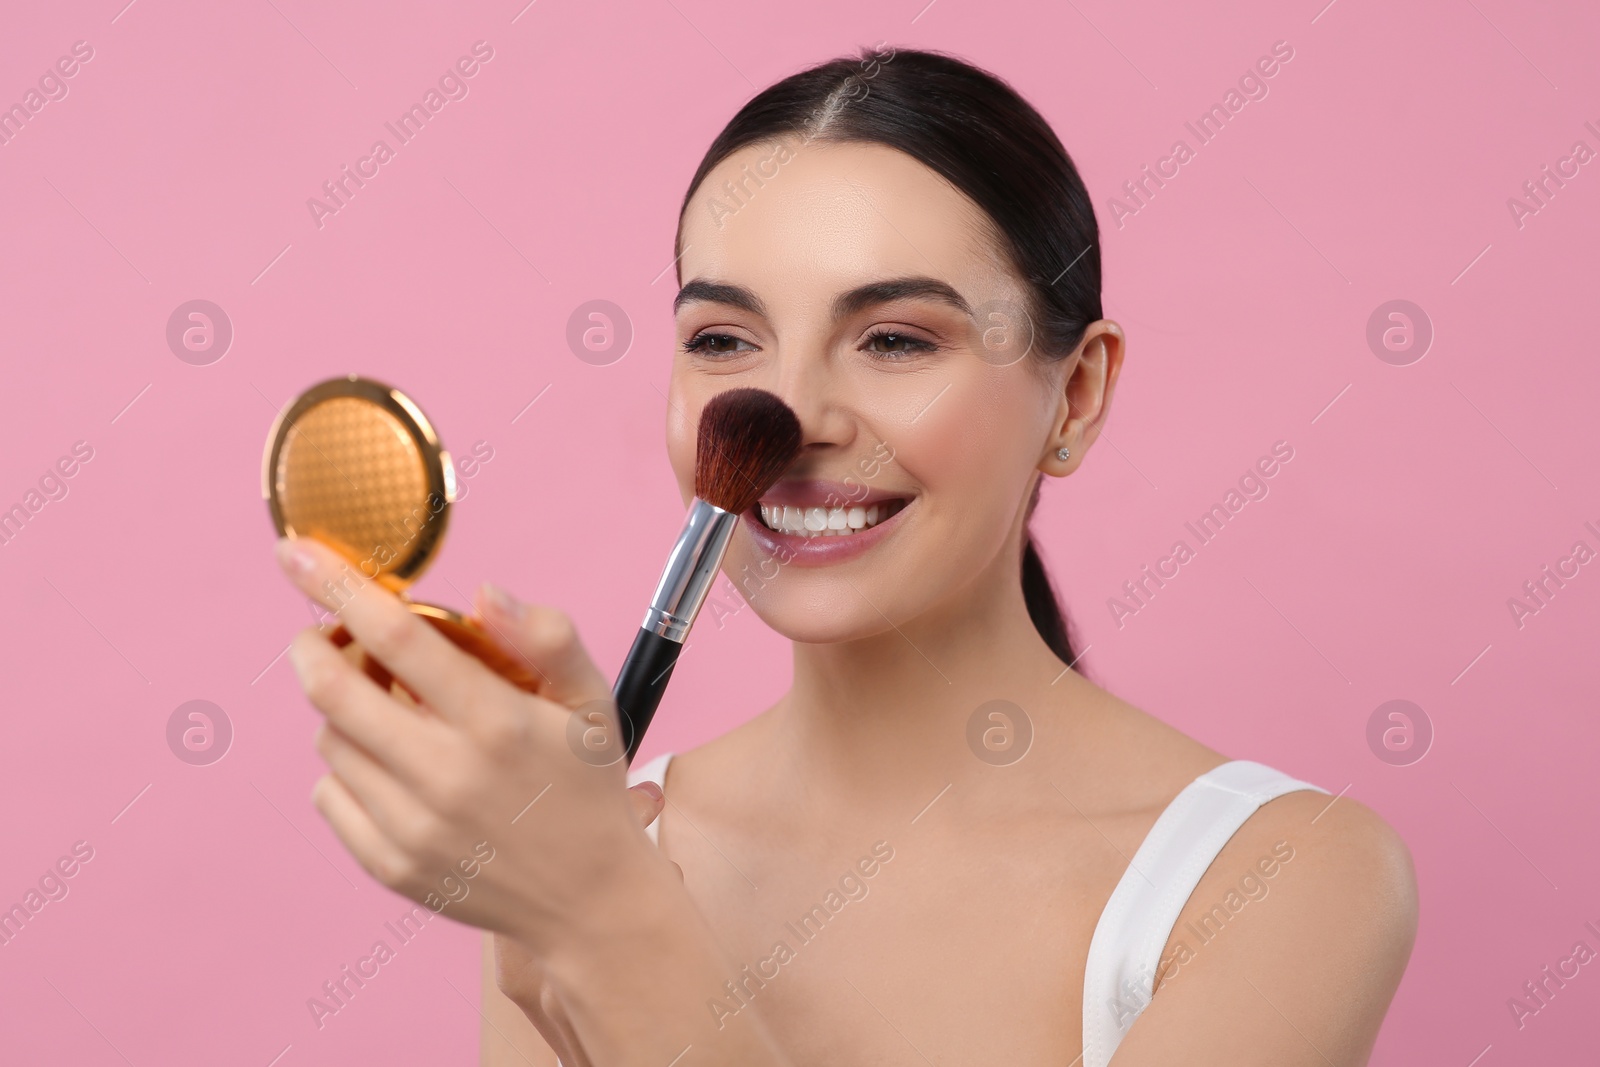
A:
[(977, 132)]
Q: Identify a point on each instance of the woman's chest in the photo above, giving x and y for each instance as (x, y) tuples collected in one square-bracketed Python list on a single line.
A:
[(906, 948)]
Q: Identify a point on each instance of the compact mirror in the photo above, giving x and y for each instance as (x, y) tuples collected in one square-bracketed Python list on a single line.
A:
[(356, 464)]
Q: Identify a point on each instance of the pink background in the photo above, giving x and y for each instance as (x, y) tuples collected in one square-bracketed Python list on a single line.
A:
[(1419, 499)]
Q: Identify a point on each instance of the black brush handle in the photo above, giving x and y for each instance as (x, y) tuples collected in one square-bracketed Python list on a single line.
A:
[(641, 682)]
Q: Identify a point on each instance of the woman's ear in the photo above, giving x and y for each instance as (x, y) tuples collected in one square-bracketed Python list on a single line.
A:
[(1084, 399)]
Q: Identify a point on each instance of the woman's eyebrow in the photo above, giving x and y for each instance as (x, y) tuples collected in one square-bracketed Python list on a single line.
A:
[(845, 304), (719, 293)]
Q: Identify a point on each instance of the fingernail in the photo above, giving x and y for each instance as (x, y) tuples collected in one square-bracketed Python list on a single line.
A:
[(654, 790), (502, 602), (294, 558)]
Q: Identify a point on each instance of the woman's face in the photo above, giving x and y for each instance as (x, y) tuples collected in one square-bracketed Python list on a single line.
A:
[(867, 292)]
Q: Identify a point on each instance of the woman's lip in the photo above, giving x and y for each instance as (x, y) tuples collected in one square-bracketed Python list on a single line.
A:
[(821, 550), (815, 493)]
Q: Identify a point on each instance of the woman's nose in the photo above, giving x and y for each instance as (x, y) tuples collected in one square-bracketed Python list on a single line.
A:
[(809, 386)]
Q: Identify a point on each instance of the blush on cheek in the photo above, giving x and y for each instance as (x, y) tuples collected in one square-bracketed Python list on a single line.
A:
[(972, 453), (960, 442), (935, 448)]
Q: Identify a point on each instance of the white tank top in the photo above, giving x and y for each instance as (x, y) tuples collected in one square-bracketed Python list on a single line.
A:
[(1125, 951)]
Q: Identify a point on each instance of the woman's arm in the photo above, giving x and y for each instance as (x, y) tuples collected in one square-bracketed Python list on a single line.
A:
[(509, 1038), (437, 802), (1302, 976), (523, 1021)]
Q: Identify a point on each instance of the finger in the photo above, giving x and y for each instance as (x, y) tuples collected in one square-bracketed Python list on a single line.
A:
[(648, 803), (546, 638), (648, 800), (447, 679), (395, 810), (360, 836), (395, 735)]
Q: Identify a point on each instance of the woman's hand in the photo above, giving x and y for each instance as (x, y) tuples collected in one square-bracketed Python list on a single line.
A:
[(488, 800), (483, 800), (519, 976)]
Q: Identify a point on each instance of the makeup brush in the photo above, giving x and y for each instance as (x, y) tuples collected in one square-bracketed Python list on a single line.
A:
[(747, 438)]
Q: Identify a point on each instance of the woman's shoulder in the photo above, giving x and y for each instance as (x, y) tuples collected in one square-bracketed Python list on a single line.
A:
[(1317, 894), (1308, 913), (1347, 854), (1352, 847), (1345, 857)]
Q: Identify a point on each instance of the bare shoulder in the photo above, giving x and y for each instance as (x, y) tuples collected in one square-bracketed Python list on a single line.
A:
[(1348, 851), (1346, 888), (1296, 939), (1131, 744)]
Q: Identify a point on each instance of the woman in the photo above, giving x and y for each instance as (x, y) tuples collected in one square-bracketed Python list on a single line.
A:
[(943, 844)]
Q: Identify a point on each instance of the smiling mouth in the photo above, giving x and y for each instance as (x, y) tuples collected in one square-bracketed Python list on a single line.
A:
[(826, 521)]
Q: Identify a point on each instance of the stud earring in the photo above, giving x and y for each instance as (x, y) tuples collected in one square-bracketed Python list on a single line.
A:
[(1063, 453)]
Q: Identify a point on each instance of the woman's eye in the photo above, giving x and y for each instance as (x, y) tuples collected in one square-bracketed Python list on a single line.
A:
[(898, 344), (882, 342), (715, 344)]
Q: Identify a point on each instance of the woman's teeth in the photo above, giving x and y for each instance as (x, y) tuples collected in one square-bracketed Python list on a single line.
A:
[(827, 522)]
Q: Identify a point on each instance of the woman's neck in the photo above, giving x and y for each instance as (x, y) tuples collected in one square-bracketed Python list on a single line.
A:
[(877, 712)]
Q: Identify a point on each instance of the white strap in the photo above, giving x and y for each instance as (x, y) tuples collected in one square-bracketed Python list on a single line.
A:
[(654, 771), (1119, 977)]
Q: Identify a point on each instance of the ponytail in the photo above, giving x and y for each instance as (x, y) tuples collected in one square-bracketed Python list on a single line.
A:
[(1039, 593), (1043, 608)]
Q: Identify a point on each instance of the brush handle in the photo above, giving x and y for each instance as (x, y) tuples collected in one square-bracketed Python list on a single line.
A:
[(685, 582), (641, 682)]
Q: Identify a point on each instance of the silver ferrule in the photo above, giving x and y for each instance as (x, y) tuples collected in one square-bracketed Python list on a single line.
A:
[(690, 570)]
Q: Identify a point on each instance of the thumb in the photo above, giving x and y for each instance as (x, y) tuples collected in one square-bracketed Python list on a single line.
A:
[(648, 800), (546, 639)]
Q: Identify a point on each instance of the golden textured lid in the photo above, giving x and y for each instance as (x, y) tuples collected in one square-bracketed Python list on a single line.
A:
[(356, 464)]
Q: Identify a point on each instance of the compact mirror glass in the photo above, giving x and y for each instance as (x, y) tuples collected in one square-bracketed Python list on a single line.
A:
[(355, 464)]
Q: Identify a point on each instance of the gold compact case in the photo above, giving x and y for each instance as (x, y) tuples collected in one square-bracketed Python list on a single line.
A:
[(355, 464)]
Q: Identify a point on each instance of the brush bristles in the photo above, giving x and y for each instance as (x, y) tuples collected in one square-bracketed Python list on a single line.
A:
[(747, 439)]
